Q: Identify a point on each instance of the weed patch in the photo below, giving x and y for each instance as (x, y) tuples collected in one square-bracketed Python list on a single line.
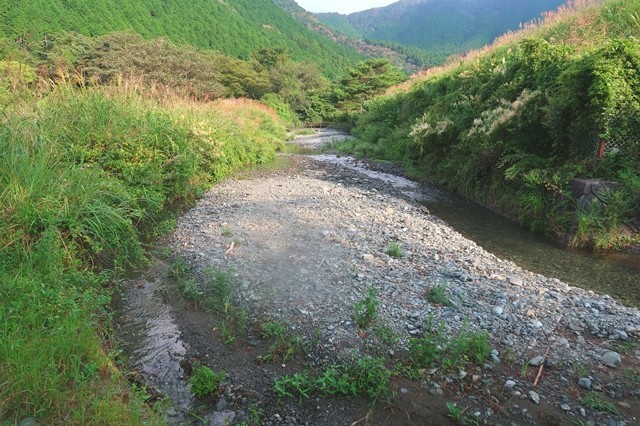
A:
[(395, 250), (205, 382), (366, 376), (285, 345), (366, 311), (596, 402), (438, 295), (438, 348)]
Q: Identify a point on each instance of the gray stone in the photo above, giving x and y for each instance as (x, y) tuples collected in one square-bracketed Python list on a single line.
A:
[(509, 384), (565, 407), (29, 422), (536, 361), (498, 310), (612, 359), (621, 335), (585, 382), (534, 397), (514, 281)]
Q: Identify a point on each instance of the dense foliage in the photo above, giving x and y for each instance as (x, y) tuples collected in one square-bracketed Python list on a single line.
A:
[(84, 174), (513, 127), (235, 27), (439, 28)]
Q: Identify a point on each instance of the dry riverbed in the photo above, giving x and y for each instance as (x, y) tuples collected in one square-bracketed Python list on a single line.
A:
[(312, 281)]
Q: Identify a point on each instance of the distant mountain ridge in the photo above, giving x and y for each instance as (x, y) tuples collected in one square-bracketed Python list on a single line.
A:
[(440, 27), (233, 27)]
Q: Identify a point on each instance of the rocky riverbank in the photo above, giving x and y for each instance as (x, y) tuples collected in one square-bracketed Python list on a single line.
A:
[(314, 245)]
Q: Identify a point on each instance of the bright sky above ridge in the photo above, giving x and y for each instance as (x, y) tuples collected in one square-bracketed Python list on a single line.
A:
[(342, 6)]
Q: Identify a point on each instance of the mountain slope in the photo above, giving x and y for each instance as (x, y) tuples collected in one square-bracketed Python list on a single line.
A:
[(410, 59), (441, 27), (234, 27)]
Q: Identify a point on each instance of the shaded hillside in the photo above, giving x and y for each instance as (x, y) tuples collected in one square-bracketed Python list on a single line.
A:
[(234, 27), (440, 27)]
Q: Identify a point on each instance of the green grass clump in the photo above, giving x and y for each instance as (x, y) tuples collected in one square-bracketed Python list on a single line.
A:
[(366, 376), (204, 381), (285, 345), (437, 348), (395, 250), (84, 176), (596, 402), (366, 310), (438, 295)]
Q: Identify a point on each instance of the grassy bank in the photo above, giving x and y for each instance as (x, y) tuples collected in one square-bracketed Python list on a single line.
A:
[(511, 125), (85, 175)]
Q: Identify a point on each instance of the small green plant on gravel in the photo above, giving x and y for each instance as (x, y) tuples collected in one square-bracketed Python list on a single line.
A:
[(438, 295), (299, 385), (459, 416), (366, 310), (450, 352), (273, 330), (524, 370), (179, 269), (578, 369), (395, 250), (204, 381), (255, 414), (385, 334), (632, 374), (454, 412), (192, 291), (596, 402), (365, 376), (285, 345), (231, 319), (227, 231), (624, 347)]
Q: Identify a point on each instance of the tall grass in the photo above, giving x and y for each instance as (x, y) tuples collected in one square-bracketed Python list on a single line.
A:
[(82, 174)]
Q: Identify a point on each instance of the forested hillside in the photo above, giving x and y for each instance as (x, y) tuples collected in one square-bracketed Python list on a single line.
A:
[(440, 27), (512, 126), (411, 59), (234, 27)]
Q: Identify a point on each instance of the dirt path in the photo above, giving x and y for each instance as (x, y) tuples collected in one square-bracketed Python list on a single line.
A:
[(316, 265)]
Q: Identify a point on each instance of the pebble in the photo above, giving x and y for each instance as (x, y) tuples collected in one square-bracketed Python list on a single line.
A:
[(612, 359), (565, 407), (535, 362), (509, 384), (28, 422), (585, 382), (533, 395)]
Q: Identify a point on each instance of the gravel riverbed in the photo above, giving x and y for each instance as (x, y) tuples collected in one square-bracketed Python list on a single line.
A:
[(305, 243)]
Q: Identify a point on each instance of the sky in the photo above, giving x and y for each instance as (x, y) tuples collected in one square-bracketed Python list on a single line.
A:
[(341, 6)]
